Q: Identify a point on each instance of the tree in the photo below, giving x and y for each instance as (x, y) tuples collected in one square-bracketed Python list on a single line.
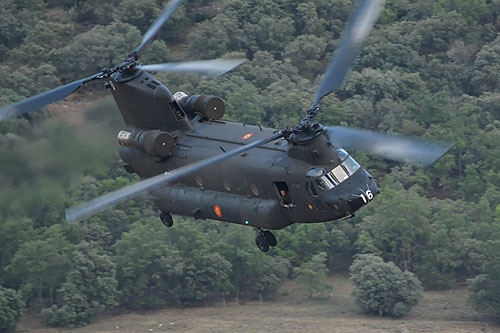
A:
[(382, 288), (11, 309), (42, 263), (13, 233), (484, 291), (253, 274), (311, 275), (299, 243), (177, 268), (400, 225), (90, 288)]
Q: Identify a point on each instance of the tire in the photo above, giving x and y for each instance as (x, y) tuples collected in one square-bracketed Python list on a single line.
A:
[(262, 243), (166, 219), (271, 239)]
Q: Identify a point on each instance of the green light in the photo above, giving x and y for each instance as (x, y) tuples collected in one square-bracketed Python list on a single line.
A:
[(246, 222)]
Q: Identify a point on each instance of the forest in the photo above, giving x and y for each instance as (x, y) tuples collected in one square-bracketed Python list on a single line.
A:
[(430, 68)]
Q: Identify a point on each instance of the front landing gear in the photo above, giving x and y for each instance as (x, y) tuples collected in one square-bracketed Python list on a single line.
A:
[(166, 219), (265, 239)]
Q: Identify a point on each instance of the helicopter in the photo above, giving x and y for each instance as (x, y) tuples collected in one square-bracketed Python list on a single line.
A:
[(193, 163)]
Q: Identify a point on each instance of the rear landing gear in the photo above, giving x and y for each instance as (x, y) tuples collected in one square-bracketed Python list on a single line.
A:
[(166, 219), (265, 239)]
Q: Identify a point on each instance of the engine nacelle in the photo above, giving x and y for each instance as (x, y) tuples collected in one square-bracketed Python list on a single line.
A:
[(210, 107), (154, 142)]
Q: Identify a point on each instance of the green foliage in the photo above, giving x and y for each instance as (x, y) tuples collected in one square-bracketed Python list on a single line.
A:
[(473, 11), (311, 275), (253, 272), (90, 288), (154, 271), (11, 309), (42, 263), (300, 242), (382, 288), (430, 69), (484, 291)]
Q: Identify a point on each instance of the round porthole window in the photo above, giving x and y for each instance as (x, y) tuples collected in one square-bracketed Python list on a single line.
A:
[(227, 185), (254, 189), (199, 181)]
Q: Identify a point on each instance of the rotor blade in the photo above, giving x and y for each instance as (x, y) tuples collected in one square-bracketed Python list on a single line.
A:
[(156, 26), (96, 205), (353, 38), (208, 67), (393, 147), (48, 97)]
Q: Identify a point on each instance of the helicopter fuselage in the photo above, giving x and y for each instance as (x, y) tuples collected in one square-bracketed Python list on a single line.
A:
[(246, 189)]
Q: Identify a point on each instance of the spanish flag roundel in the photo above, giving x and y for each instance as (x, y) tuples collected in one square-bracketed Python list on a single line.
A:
[(247, 136), (217, 211)]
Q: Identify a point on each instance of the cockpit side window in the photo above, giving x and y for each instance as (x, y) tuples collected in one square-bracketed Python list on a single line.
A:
[(327, 180), (351, 165)]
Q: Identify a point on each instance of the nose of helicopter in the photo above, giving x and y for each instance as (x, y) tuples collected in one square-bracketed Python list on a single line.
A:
[(364, 192)]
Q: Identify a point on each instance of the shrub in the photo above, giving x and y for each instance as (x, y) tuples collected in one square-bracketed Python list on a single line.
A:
[(311, 275), (382, 288), (484, 291), (11, 309)]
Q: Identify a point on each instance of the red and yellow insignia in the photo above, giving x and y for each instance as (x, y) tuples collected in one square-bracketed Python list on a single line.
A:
[(247, 136), (217, 211)]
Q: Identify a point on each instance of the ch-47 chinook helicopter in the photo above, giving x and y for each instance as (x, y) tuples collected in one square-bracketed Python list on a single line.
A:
[(195, 164)]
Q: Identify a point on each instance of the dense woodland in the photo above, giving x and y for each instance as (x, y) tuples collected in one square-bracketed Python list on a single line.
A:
[(430, 68)]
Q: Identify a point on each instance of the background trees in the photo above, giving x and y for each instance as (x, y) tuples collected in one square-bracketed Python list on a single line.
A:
[(11, 308), (428, 69)]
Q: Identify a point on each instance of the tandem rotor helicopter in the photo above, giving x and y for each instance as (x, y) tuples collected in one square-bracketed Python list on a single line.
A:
[(195, 164)]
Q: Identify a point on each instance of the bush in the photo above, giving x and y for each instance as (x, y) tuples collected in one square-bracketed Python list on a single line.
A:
[(484, 291), (382, 288), (11, 309), (312, 274)]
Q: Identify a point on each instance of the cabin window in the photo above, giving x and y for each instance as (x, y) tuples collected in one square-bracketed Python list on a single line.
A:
[(327, 180), (351, 165), (342, 154), (324, 183), (227, 185), (199, 181), (254, 189), (340, 173)]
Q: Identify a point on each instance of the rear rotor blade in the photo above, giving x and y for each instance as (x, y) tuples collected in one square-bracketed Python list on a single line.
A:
[(393, 147), (96, 205), (208, 67), (45, 98), (156, 26), (353, 38)]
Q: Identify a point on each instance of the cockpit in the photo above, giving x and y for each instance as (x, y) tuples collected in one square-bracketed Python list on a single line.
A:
[(324, 180)]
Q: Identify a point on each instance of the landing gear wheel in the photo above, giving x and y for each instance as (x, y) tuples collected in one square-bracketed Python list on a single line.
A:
[(271, 239), (166, 219), (262, 243)]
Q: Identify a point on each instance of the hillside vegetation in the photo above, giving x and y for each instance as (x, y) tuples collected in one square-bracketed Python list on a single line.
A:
[(429, 69)]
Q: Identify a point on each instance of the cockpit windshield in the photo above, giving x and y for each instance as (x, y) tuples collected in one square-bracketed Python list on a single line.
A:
[(327, 180)]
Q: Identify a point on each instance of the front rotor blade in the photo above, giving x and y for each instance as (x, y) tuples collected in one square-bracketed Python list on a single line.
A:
[(393, 147), (96, 205), (156, 26), (45, 98), (208, 67), (353, 38)]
